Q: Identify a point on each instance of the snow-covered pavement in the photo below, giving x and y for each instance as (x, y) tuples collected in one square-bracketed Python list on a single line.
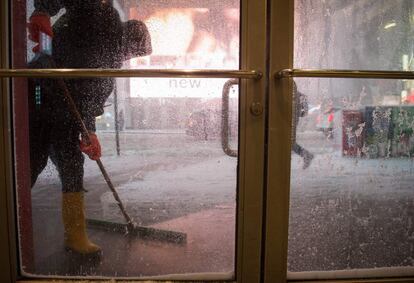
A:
[(345, 212)]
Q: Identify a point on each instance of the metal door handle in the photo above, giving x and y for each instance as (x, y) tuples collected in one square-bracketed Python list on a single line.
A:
[(225, 132), (125, 73), (352, 74), (155, 73)]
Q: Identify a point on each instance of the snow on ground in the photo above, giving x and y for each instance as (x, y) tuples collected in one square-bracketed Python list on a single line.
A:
[(203, 184), (158, 177), (208, 181), (348, 213), (331, 172), (345, 212)]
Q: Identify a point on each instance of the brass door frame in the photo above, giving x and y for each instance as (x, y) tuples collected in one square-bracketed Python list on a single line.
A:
[(251, 142), (279, 142), (8, 259)]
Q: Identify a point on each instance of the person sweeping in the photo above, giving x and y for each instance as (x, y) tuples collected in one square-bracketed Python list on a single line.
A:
[(89, 35)]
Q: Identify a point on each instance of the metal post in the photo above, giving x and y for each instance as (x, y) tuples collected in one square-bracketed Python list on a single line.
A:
[(118, 148)]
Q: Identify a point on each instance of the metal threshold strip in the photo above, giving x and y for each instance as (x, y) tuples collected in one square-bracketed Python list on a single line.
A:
[(125, 73), (352, 74)]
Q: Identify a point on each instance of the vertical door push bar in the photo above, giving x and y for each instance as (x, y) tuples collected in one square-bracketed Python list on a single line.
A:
[(225, 123)]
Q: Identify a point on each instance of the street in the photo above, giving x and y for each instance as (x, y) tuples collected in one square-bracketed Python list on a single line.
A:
[(345, 213)]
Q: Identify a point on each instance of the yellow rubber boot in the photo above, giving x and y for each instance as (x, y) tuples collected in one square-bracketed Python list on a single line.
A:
[(73, 215)]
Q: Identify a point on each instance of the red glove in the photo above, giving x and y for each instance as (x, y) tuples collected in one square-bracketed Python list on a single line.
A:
[(39, 22), (93, 149)]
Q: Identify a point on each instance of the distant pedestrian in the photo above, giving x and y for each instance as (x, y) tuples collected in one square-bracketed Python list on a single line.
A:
[(300, 109)]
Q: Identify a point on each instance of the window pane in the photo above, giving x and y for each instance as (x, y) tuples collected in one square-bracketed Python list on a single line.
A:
[(352, 202), (347, 34), (160, 140)]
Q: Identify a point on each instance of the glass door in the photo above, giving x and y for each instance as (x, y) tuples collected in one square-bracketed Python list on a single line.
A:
[(340, 184), (173, 94), (252, 141)]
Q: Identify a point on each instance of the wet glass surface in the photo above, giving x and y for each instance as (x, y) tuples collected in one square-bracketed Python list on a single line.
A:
[(160, 140), (367, 35), (352, 198)]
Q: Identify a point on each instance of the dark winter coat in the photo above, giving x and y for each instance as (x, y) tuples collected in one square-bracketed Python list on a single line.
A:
[(91, 35)]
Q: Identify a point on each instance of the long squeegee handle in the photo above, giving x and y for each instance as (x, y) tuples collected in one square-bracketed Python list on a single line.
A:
[(114, 192), (85, 135)]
